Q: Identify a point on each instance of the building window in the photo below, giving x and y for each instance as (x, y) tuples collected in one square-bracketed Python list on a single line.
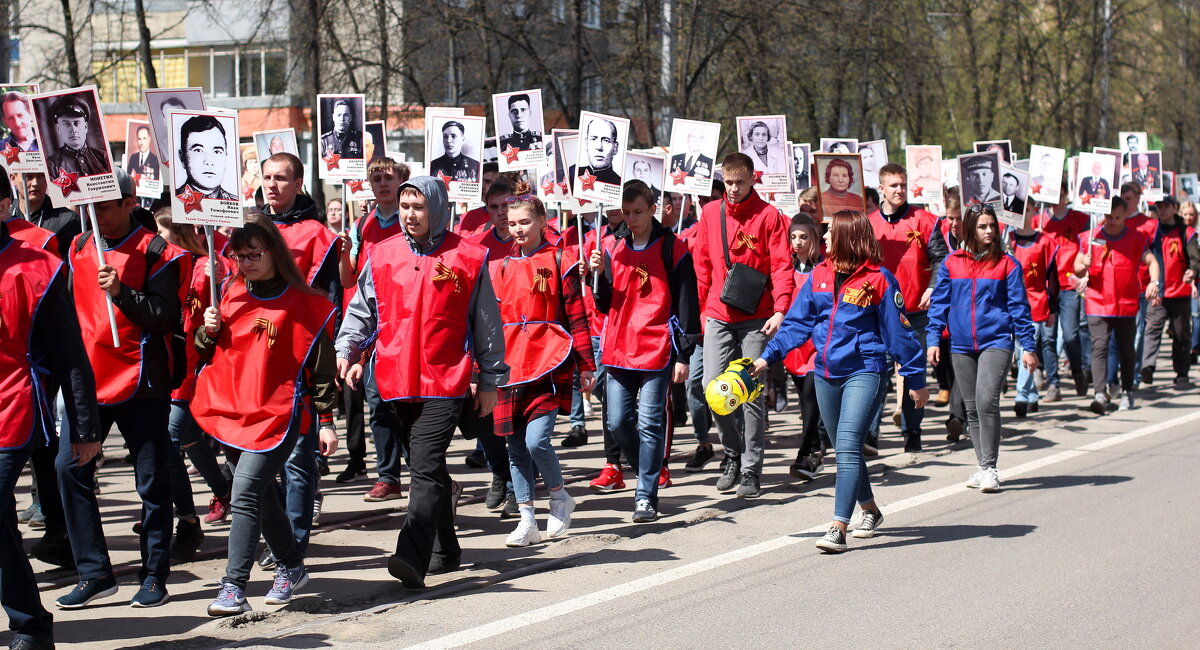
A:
[(558, 9), (222, 73), (591, 14), (592, 93)]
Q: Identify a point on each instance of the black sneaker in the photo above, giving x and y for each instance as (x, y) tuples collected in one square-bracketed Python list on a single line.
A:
[(267, 560), (323, 466), (1148, 375), (731, 470), (834, 541), (1099, 404), (1020, 408), (870, 447), (1081, 384), (704, 453), (954, 429), (188, 537), (152, 594), (405, 573), (439, 564), (476, 459), (355, 471), (54, 549), (748, 486), (87, 591), (496, 493), (578, 437), (510, 510), (643, 511), (1181, 383), (26, 643), (807, 467), (912, 441)]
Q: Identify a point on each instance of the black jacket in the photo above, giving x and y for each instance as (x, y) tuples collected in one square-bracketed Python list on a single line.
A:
[(328, 279), (60, 221)]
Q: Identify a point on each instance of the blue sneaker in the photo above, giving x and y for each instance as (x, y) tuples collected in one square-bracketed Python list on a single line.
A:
[(152, 594), (287, 581), (87, 591), (231, 600)]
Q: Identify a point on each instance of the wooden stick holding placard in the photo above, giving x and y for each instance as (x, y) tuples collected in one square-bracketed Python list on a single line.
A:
[(90, 208), (213, 298), (599, 236)]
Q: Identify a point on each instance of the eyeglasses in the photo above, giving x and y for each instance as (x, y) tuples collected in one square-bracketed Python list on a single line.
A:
[(247, 257), (515, 199), (977, 208)]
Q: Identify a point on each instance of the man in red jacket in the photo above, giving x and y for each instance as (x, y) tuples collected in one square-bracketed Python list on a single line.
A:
[(741, 229)]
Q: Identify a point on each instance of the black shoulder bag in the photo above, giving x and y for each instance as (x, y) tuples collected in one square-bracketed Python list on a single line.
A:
[(744, 285)]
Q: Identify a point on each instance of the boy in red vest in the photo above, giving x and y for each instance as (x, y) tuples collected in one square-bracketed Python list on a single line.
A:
[(427, 299), (1176, 247)]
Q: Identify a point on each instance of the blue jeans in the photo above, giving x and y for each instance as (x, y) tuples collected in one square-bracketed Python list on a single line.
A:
[(910, 416), (187, 438), (577, 418), (257, 510), (1076, 339), (1139, 341), (389, 444), (18, 587), (1026, 381), (529, 445), (637, 413), (1195, 323), (300, 485), (846, 406), (697, 403)]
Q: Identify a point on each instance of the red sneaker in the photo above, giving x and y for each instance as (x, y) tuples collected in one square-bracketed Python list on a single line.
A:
[(218, 510), (611, 478), (383, 492), (664, 477)]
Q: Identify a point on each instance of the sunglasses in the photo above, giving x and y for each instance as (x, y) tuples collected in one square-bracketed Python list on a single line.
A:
[(515, 199), (247, 257)]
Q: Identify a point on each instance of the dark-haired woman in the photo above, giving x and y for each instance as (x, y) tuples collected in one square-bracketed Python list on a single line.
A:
[(272, 365), (852, 310), (986, 289)]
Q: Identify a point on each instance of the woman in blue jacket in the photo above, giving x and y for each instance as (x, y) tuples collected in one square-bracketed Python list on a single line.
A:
[(852, 310), (980, 296)]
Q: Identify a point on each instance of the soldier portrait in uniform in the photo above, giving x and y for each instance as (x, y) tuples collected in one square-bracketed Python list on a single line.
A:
[(519, 120), (979, 174), (160, 102), (1147, 170), (342, 118), (269, 143), (71, 134), (16, 118), (693, 149), (1004, 147), (456, 149), (924, 164), (1094, 181), (647, 168), (801, 156), (599, 144), (1045, 173), (375, 142), (839, 145), (204, 152)]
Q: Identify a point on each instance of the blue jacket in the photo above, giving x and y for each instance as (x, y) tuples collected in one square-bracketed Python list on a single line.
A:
[(854, 331), (983, 303)]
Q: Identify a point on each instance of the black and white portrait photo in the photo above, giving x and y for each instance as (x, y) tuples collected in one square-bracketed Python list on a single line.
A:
[(979, 177), (801, 165), (1014, 192), (206, 169), (19, 149), (160, 102), (519, 125), (340, 120), (600, 160), (142, 159), (455, 154), (839, 145), (1045, 173), (692, 151), (648, 168), (76, 157), (1003, 147), (874, 156)]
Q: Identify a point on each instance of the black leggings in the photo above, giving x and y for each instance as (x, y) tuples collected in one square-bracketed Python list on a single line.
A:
[(815, 438)]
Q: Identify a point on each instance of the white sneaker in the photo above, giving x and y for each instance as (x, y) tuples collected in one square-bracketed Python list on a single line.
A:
[(560, 515), (525, 534), (973, 481), (1126, 402), (587, 409), (989, 480)]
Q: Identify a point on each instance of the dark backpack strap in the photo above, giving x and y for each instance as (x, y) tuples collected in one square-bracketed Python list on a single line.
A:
[(154, 253), (725, 237)]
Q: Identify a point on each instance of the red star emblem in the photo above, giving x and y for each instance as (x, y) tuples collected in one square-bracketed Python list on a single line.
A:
[(510, 154), (190, 199), (1035, 189), (444, 179), (757, 177), (548, 187), (331, 161), (583, 202), (136, 178), (66, 181), (10, 153), (564, 187), (588, 180), (770, 195), (677, 178), (247, 192), (1085, 198), (917, 190), (355, 186)]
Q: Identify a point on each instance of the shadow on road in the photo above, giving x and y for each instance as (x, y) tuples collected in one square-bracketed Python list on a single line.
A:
[(938, 534), (1045, 482)]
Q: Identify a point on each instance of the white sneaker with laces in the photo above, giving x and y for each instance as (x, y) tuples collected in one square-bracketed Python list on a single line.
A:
[(559, 520), (989, 480), (1126, 402), (869, 526), (973, 481), (525, 534)]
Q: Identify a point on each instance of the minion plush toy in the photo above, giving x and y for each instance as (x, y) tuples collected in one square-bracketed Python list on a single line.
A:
[(732, 388)]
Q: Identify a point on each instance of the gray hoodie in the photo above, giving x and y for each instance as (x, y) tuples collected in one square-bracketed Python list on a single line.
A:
[(360, 324)]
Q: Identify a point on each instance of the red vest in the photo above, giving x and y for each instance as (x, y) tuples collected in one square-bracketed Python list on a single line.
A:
[(799, 362), (530, 293), (1172, 243), (1110, 290), (497, 250), (424, 346), (311, 244), (1149, 229), (118, 370), (903, 244), (370, 233), (254, 389), (31, 234), (637, 334), (25, 274), (474, 222), (1035, 259)]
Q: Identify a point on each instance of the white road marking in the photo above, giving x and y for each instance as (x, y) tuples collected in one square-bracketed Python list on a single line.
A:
[(623, 590)]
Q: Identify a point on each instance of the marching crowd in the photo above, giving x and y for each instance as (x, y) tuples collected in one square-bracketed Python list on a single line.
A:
[(418, 325)]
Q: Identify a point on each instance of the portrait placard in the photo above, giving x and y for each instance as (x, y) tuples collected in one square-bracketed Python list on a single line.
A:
[(950, 173), (159, 103), (340, 121), (205, 160), (1072, 174), (1146, 171), (650, 168), (359, 189), (693, 152), (19, 149), (454, 157), (251, 172), (787, 202), (520, 128), (142, 159), (1045, 173), (924, 162), (1187, 187), (764, 139), (76, 159), (1169, 184), (435, 111), (1014, 192), (1095, 180), (269, 143), (979, 175), (1004, 147), (839, 145), (802, 165), (375, 141), (1133, 141), (840, 179), (547, 186), (565, 143), (600, 159), (874, 156)]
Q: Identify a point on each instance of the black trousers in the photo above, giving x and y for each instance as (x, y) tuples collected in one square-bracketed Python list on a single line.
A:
[(814, 438), (1125, 330), (351, 402), (1177, 311), (426, 429)]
